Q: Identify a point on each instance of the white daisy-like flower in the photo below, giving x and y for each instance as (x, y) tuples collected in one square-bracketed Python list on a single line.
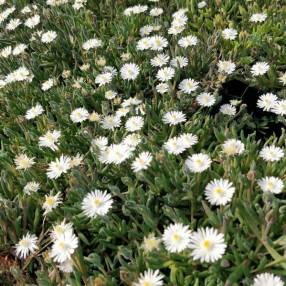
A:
[(51, 202), (174, 117), (226, 67), (48, 84), (175, 146), (219, 192), (100, 142), (175, 30), (23, 162), (103, 78), (206, 99), (146, 30), (229, 34), (165, 74), (160, 60), (91, 44), (162, 88), (64, 246), (50, 139), (258, 17), (156, 12), (207, 244), (110, 122), (150, 278), (66, 266), (58, 167), (280, 107), (6, 52), (267, 279), (34, 111), (31, 187), (271, 184), (13, 24), (129, 71), (267, 101), (188, 85), (179, 62), (19, 49), (282, 78), (142, 162), (60, 229), (143, 44), (188, 41), (151, 242), (79, 114), (260, 68), (132, 140), (198, 163), (233, 147), (176, 237), (158, 43), (32, 21), (202, 4), (188, 139), (48, 37), (134, 123), (271, 153), (228, 109), (26, 246), (96, 203)]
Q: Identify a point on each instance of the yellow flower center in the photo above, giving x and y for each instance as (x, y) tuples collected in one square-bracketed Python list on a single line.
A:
[(146, 283), (97, 202), (218, 191), (50, 201), (176, 237), (24, 243), (207, 244)]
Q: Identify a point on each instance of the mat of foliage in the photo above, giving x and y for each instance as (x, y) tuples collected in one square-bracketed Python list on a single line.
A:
[(124, 158)]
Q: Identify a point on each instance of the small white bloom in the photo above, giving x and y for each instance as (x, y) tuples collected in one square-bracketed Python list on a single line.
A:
[(198, 163), (110, 122), (165, 74), (91, 44), (142, 162), (79, 115), (48, 37), (174, 117), (158, 43), (229, 34), (267, 279), (280, 107), (258, 17), (260, 68), (150, 278), (23, 162), (103, 78), (162, 88), (176, 237), (271, 184), (129, 71), (188, 85), (219, 192), (96, 203), (160, 60), (267, 101), (51, 202), (271, 153), (282, 78), (226, 67), (156, 12), (228, 109), (151, 243), (233, 147), (34, 111), (208, 245), (50, 139), (26, 246), (58, 167), (179, 62), (202, 4), (205, 99), (31, 187)]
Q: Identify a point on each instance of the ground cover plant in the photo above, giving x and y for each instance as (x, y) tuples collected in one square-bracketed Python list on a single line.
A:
[(142, 142)]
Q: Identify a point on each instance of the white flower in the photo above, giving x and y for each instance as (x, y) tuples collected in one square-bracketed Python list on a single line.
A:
[(158, 43), (103, 78), (142, 162), (176, 237), (6, 52), (51, 202), (31, 187), (134, 123), (19, 49), (198, 163), (34, 111), (219, 192), (280, 107), (179, 62), (228, 109), (150, 278), (110, 122), (188, 41), (60, 229), (156, 12), (174, 117), (48, 84), (64, 246), (233, 147), (129, 71), (202, 4), (165, 74), (143, 44), (58, 167), (66, 266), (26, 245), (13, 24), (267, 279), (96, 203), (267, 101), (76, 160), (79, 115), (258, 17), (100, 142), (50, 139), (116, 153), (208, 245), (132, 140), (160, 60), (271, 153), (151, 243), (91, 44), (162, 88), (48, 37), (32, 22), (229, 34), (188, 85), (23, 162), (259, 68), (110, 94), (205, 99), (282, 78), (146, 30), (175, 146), (188, 139), (271, 184), (226, 67)]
